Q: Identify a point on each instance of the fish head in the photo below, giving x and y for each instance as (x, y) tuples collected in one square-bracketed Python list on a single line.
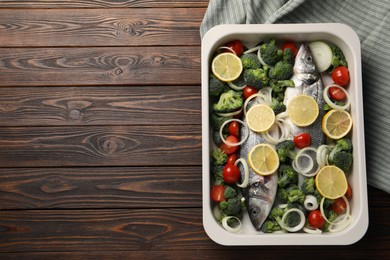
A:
[(259, 203), (304, 66)]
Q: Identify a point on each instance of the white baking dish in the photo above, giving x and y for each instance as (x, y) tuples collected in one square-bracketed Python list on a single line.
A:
[(345, 38)]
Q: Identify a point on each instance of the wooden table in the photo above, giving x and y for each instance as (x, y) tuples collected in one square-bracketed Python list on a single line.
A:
[(100, 136)]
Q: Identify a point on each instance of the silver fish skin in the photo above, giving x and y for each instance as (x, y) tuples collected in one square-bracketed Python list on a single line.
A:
[(307, 81), (261, 191)]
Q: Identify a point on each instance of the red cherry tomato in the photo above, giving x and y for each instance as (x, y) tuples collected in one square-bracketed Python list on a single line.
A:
[(236, 46), (339, 205), (217, 192), (337, 93), (249, 91), (229, 149), (231, 173), (234, 128), (340, 75), (232, 159), (315, 219), (292, 46), (348, 194), (302, 140)]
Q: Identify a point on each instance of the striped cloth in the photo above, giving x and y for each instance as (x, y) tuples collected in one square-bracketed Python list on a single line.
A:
[(371, 21)]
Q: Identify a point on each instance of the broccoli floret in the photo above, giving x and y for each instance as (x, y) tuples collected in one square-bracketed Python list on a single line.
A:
[(279, 86), (342, 145), (285, 150), (282, 195), (217, 121), (269, 53), (250, 61), (295, 194), (231, 207), (270, 226), (218, 157), (308, 186), (343, 160), (229, 101), (282, 70), (288, 56), (257, 78), (287, 175), (217, 173), (230, 192), (277, 106), (216, 87), (338, 59), (276, 214), (331, 216)]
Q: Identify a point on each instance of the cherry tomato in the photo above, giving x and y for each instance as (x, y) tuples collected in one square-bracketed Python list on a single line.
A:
[(339, 205), (231, 173), (234, 128), (232, 159), (237, 47), (340, 75), (249, 91), (302, 140), (229, 149), (337, 94), (348, 194), (315, 219), (290, 45), (217, 192)]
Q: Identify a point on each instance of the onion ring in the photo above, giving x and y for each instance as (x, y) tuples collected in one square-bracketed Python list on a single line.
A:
[(229, 228), (245, 182), (331, 103), (243, 139)]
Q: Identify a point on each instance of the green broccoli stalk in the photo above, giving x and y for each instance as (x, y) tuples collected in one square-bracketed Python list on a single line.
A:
[(218, 157), (269, 53), (229, 101), (285, 150), (338, 59), (270, 226), (217, 121), (230, 192), (216, 87), (250, 61), (281, 71), (308, 186), (257, 78), (287, 176)]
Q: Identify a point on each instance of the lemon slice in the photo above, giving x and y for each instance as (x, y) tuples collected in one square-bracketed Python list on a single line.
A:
[(263, 159), (331, 182), (226, 66), (336, 123), (303, 110), (260, 118)]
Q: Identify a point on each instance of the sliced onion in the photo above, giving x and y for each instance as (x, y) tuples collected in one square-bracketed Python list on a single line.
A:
[(246, 172), (331, 103), (344, 216), (297, 227), (229, 228), (247, 101), (310, 202), (229, 114), (235, 87), (311, 230), (252, 50), (217, 212), (282, 115), (333, 228), (227, 48), (283, 206), (284, 132), (243, 139), (306, 171), (322, 154)]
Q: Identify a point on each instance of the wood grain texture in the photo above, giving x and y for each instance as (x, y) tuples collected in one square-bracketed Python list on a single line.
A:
[(100, 66), (100, 146), (100, 27), (157, 230), (67, 106), (102, 3), (116, 187)]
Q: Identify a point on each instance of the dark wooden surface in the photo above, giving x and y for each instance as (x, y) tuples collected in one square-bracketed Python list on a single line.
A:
[(100, 136)]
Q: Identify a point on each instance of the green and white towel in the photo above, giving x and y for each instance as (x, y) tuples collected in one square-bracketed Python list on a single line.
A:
[(371, 21)]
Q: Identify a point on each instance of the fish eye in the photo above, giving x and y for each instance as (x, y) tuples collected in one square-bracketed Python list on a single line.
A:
[(309, 59), (254, 212)]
